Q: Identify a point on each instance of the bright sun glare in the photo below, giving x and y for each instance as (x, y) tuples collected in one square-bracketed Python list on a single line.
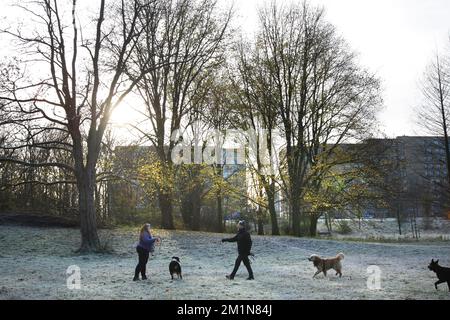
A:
[(123, 115)]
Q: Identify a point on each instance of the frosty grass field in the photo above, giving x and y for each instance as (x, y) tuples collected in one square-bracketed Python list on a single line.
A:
[(34, 261)]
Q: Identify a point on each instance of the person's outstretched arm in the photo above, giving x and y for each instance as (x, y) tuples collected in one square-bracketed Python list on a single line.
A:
[(149, 239), (234, 239)]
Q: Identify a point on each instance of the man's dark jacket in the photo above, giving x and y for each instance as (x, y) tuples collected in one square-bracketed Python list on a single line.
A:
[(244, 242)]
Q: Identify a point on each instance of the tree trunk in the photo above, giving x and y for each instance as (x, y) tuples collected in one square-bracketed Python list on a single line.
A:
[(444, 119), (219, 212), (86, 204), (296, 213), (399, 220), (273, 214), (294, 193), (313, 225), (165, 205), (196, 206), (187, 205), (260, 222), (190, 210), (97, 199)]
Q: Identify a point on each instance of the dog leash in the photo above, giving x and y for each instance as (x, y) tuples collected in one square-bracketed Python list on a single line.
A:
[(159, 250)]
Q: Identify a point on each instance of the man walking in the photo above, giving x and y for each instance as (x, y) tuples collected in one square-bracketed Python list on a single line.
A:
[(244, 243)]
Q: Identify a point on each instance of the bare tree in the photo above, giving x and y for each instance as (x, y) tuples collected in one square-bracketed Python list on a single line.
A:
[(434, 114), (189, 41), (79, 81), (321, 96), (256, 102)]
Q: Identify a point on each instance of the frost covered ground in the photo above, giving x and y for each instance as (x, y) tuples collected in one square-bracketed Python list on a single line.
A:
[(33, 264), (387, 229)]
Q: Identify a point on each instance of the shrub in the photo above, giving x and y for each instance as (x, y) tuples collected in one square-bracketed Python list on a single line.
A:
[(344, 227)]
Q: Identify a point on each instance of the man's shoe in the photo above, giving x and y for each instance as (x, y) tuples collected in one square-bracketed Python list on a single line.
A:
[(229, 277), (136, 279), (250, 278), (144, 277)]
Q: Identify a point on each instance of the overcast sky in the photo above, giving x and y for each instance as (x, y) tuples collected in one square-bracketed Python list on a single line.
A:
[(394, 38)]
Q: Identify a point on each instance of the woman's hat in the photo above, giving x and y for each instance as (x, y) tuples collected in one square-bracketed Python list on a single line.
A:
[(241, 223)]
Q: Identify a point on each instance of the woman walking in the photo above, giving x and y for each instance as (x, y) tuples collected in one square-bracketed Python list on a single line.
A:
[(144, 247)]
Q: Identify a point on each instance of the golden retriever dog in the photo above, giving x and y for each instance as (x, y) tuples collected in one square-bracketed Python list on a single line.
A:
[(325, 264)]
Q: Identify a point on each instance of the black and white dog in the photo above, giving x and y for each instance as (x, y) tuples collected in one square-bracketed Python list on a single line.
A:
[(175, 267)]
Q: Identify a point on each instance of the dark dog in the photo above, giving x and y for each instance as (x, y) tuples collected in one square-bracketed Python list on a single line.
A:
[(175, 267), (442, 273), (325, 264)]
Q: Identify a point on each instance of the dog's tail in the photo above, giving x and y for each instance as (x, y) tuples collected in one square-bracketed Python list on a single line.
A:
[(340, 256)]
